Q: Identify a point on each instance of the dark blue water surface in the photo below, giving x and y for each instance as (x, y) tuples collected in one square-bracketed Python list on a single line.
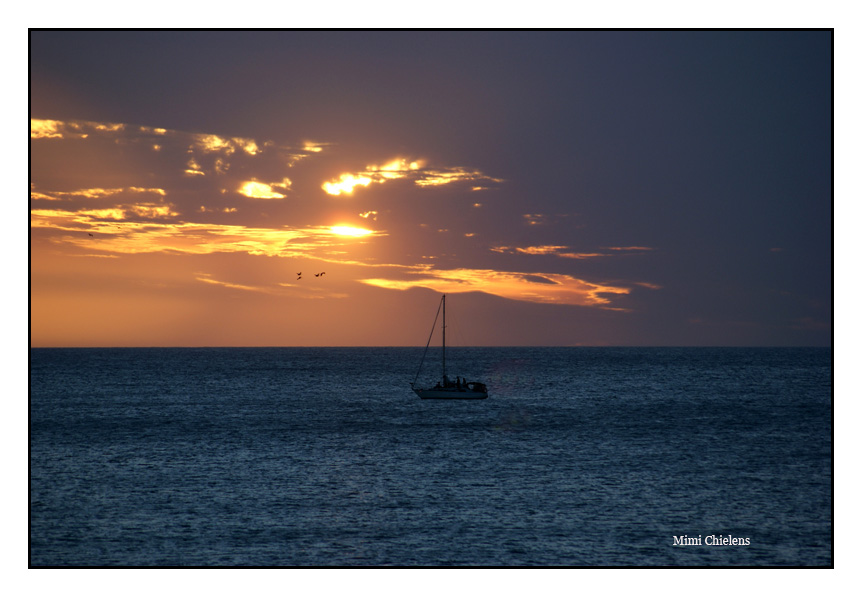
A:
[(309, 457)]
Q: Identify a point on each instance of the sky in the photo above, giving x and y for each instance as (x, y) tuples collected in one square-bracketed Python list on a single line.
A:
[(312, 188)]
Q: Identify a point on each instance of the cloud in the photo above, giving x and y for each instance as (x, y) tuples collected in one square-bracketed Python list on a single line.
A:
[(121, 230), (555, 250), (400, 168), (257, 190), (563, 251), (630, 249), (346, 184), (535, 219), (230, 285), (539, 279), (57, 129), (213, 143), (314, 146), (446, 176), (519, 286), (283, 289), (206, 153), (229, 159), (45, 129), (95, 193)]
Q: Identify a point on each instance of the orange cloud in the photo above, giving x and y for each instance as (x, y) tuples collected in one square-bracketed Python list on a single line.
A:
[(445, 176), (313, 146), (242, 287), (562, 251), (200, 146), (58, 129), (257, 190), (114, 232), (534, 219), (401, 168), (94, 193), (520, 286), (213, 143), (45, 129), (193, 168), (630, 249), (345, 184), (556, 250)]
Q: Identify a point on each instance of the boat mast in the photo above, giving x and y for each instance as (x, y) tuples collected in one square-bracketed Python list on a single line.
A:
[(443, 329), (428, 342)]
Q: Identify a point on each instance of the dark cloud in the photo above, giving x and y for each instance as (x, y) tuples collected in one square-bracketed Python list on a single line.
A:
[(539, 279)]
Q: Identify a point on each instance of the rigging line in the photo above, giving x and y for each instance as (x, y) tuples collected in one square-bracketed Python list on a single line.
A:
[(429, 341)]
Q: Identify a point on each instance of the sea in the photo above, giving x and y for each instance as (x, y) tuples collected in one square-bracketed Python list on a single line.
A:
[(324, 457)]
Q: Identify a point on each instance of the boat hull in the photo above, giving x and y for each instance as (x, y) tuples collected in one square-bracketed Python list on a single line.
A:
[(449, 393), (446, 388)]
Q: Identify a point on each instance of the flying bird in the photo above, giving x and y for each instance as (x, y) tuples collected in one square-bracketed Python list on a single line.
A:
[(299, 275), (91, 234), (320, 273)]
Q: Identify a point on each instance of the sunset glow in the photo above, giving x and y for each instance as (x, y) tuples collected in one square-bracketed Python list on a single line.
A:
[(230, 188), (158, 220), (350, 231)]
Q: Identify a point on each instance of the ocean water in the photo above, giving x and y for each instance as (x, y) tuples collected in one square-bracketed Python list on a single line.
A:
[(324, 457)]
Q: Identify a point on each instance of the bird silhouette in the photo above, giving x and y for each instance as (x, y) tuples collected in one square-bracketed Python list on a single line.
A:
[(91, 234), (299, 275), (320, 273)]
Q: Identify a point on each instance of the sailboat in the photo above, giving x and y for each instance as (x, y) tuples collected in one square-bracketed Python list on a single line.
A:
[(446, 388)]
